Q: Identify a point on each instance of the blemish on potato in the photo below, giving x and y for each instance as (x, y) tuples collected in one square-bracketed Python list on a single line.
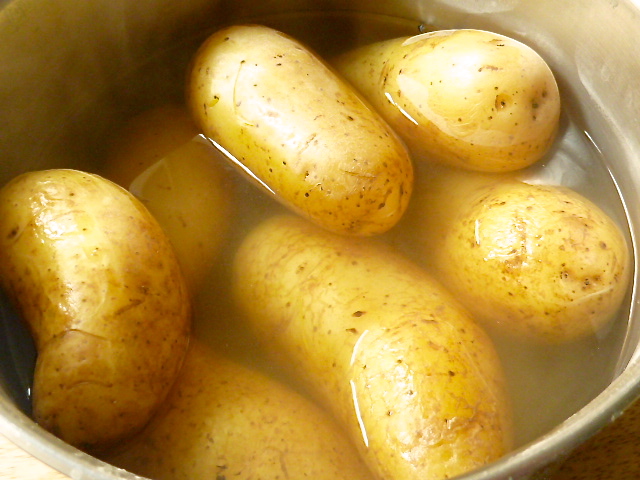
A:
[(13, 232)]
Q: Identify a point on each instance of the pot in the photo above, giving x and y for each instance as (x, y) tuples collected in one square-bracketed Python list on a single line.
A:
[(72, 70)]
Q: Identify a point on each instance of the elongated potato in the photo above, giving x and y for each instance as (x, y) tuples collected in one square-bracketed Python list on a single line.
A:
[(223, 420), (465, 98), (98, 284), (181, 178), (415, 381), (299, 131), (535, 261)]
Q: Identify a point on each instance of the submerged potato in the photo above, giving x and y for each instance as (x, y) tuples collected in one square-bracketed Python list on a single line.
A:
[(541, 262), (145, 139), (181, 178), (98, 284), (223, 421), (465, 98), (299, 131), (386, 349)]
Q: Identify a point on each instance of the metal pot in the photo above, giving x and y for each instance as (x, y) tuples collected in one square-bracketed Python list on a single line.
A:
[(71, 70)]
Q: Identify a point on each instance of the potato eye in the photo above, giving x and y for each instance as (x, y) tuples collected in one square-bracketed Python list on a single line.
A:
[(502, 102)]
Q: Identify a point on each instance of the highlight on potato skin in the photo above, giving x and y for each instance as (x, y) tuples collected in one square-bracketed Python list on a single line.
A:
[(97, 283), (465, 98), (223, 420), (299, 131), (380, 344)]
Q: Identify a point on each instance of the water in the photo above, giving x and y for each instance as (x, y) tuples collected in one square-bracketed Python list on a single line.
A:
[(547, 384), (17, 352)]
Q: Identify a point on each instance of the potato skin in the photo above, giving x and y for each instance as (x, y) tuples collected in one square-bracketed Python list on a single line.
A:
[(223, 420), (99, 286), (535, 261), (415, 381), (302, 132), (146, 138), (160, 156), (466, 98)]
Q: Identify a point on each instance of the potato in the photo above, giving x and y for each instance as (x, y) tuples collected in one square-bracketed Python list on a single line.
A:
[(465, 98), (535, 261), (97, 282), (182, 179), (223, 420), (146, 138), (414, 380), (299, 131)]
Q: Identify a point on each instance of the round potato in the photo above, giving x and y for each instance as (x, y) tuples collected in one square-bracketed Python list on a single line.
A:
[(223, 420), (467, 98), (299, 131), (535, 261), (98, 284), (414, 380), (182, 179)]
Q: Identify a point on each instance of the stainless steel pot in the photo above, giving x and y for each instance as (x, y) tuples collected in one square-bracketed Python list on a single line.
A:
[(65, 78)]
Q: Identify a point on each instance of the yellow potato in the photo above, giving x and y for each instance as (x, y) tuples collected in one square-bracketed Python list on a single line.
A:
[(299, 131), (416, 383), (145, 139), (540, 262), (465, 98), (98, 284), (182, 179), (223, 420)]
